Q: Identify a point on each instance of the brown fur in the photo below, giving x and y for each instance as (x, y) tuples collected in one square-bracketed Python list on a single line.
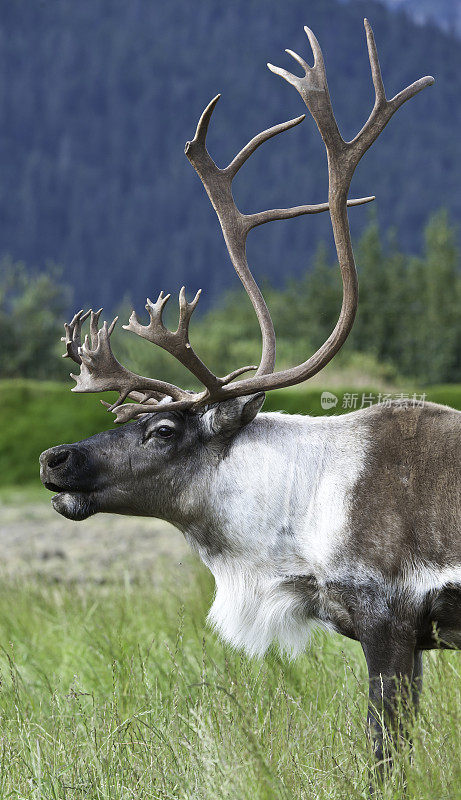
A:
[(406, 504)]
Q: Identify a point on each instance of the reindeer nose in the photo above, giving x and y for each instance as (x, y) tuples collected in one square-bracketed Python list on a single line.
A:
[(56, 459), (57, 466)]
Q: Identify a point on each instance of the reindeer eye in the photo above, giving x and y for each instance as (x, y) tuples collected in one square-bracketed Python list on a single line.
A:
[(164, 431)]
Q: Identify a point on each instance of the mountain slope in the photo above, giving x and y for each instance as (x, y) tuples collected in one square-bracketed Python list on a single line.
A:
[(445, 14), (98, 97)]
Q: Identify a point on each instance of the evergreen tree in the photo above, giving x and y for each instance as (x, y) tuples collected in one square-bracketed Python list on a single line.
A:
[(440, 323), (368, 333), (32, 311)]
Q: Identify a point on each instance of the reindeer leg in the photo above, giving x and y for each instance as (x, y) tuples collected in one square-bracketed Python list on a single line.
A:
[(417, 680), (389, 648)]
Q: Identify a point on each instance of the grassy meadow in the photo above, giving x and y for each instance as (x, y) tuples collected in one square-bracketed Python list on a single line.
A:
[(120, 691), (113, 687)]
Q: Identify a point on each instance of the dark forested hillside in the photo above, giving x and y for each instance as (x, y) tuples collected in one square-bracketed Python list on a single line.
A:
[(97, 98), (446, 14)]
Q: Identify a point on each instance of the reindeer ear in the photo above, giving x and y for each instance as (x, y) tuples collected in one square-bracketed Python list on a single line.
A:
[(231, 415)]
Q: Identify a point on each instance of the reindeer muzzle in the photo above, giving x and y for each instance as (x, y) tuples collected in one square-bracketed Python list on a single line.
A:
[(66, 468)]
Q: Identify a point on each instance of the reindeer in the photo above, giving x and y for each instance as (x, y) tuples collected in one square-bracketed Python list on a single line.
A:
[(351, 523)]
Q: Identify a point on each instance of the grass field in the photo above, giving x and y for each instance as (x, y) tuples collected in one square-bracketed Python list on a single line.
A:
[(118, 690)]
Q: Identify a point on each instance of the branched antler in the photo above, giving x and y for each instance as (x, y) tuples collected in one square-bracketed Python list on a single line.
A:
[(383, 109), (100, 370), (235, 225), (313, 89), (177, 342)]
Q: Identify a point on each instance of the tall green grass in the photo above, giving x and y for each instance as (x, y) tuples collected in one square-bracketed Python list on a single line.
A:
[(38, 415), (121, 692)]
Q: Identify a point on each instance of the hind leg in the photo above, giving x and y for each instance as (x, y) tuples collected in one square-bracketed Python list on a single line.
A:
[(395, 675), (417, 680)]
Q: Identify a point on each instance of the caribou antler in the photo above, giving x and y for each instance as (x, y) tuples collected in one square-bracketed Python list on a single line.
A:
[(235, 225), (343, 158), (177, 342), (100, 370)]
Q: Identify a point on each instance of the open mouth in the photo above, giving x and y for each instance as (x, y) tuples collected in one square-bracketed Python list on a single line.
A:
[(61, 489), (53, 487)]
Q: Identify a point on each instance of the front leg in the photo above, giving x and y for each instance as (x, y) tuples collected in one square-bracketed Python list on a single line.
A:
[(389, 648)]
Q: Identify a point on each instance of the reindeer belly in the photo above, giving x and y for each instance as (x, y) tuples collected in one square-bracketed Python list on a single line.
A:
[(441, 621), (353, 601)]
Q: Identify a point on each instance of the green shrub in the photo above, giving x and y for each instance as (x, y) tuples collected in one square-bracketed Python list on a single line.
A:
[(37, 416)]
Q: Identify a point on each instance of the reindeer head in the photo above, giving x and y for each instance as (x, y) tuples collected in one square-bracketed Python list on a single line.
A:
[(173, 432), (156, 466)]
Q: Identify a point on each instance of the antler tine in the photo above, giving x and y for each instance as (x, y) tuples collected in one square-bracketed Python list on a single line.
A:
[(94, 322), (257, 141), (236, 373), (145, 397), (204, 121), (129, 411), (383, 109), (316, 49), (186, 310), (288, 213), (300, 60), (73, 335), (380, 93), (158, 306)]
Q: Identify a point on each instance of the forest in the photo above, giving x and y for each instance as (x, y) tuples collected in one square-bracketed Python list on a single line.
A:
[(446, 14), (97, 99), (408, 324)]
